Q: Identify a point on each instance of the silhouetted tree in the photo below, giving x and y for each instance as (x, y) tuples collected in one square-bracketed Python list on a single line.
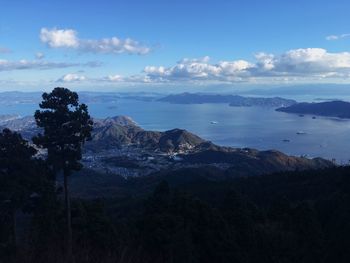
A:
[(67, 125), (16, 168)]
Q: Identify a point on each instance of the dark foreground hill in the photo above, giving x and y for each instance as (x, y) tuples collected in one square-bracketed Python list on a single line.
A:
[(199, 215), (339, 109)]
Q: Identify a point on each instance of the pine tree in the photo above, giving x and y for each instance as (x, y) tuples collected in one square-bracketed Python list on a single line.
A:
[(67, 125)]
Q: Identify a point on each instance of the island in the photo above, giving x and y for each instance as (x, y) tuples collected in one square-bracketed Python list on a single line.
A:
[(339, 109), (232, 100)]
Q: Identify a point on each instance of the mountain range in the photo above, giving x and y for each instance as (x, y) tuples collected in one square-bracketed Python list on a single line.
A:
[(119, 145)]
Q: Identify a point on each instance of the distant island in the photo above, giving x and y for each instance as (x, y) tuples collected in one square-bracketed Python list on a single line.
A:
[(88, 97), (339, 109), (232, 100), (18, 98)]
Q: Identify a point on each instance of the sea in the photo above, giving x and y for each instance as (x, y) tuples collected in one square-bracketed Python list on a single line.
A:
[(261, 128)]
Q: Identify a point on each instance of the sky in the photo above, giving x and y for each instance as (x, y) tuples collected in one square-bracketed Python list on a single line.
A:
[(119, 45)]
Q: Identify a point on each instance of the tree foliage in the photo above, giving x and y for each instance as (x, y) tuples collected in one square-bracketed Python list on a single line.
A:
[(67, 124)]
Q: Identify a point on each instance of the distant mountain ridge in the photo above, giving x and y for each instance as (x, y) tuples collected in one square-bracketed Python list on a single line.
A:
[(119, 141), (339, 109), (232, 100)]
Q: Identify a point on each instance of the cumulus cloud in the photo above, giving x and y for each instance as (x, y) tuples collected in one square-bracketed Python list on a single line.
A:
[(337, 37), (68, 38), (300, 63), (56, 38), (71, 77), (200, 69), (309, 62), (7, 65)]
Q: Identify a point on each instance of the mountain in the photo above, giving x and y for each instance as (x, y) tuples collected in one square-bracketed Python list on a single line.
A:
[(120, 146), (25, 125), (120, 131), (8, 117), (340, 109), (189, 149), (115, 132), (232, 100)]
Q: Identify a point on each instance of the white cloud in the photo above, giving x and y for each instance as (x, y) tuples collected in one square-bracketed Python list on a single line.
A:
[(71, 77), (76, 77), (115, 78), (56, 38), (311, 62), (68, 38), (124, 79), (193, 69), (296, 65), (308, 63), (199, 69), (7, 65), (332, 37), (337, 37)]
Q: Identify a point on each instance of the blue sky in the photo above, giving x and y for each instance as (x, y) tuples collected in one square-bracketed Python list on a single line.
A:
[(109, 45)]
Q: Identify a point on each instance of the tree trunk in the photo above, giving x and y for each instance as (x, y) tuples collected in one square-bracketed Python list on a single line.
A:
[(69, 248), (14, 230)]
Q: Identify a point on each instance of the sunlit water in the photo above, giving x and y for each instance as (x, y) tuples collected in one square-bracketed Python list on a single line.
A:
[(255, 127)]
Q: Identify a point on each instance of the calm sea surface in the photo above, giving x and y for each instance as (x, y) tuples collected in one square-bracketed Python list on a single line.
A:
[(255, 127)]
